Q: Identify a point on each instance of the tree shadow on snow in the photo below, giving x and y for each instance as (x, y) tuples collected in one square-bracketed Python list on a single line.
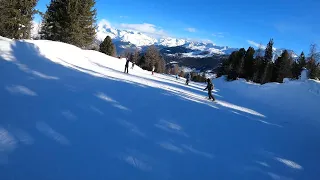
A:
[(59, 123)]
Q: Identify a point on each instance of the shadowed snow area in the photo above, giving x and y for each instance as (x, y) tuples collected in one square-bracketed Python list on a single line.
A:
[(68, 113)]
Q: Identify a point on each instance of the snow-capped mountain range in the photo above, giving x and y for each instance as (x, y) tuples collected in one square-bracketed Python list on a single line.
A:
[(187, 48), (139, 40)]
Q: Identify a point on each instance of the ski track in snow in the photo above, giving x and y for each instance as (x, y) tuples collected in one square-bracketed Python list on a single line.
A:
[(73, 114)]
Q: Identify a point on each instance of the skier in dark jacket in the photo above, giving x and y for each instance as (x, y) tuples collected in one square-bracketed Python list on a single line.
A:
[(188, 79), (209, 88), (126, 68)]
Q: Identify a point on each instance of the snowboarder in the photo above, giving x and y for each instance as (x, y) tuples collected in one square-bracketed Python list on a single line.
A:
[(126, 70), (188, 79), (153, 69), (209, 88)]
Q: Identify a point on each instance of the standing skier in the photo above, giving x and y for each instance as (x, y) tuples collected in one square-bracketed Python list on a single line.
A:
[(126, 68), (188, 78), (209, 88)]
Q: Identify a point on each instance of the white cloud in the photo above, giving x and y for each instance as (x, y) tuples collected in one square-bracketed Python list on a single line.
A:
[(192, 30), (219, 35), (147, 28), (104, 24), (258, 45), (255, 44)]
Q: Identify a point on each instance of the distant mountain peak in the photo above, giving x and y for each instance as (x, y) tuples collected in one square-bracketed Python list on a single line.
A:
[(140, 39)]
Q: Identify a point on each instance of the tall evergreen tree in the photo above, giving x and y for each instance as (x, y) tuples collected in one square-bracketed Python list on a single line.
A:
[(312, 64), (298, 65), (249, 63), (313, 68), (239, 62), (231, 66), (259, 68), (295, 70), (302, 60), (142, 61), (16, 18), (70, 21), (108, 47), (282, 67), (269, 51), (268, 71), (267, 63), (225, 67)]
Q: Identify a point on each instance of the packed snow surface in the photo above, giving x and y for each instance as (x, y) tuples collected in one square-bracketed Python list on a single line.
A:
[(68, 113)]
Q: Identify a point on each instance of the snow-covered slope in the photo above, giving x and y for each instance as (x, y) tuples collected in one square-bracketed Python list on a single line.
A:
[(67, 113)]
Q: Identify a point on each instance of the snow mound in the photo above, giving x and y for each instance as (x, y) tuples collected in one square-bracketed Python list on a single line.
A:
[(299, 97)]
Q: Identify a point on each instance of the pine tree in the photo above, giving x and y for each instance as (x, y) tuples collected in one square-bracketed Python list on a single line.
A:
[(142, 61), (70, 21), (302, 60), (268, 70), (249, 63), (312, 64), (239, 62), (224, 68), (231, 66), (269, 51), (282, 67), (108, 47), (16, 18), (298, 65), (318, 71), (313, 68), (295, 70), (258, 68), (267, 63)]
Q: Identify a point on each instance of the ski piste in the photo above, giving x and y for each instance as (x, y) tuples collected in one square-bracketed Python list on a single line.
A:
[(85, 119)]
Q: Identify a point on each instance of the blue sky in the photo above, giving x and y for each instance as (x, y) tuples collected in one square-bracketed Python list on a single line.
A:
[(292, 24)]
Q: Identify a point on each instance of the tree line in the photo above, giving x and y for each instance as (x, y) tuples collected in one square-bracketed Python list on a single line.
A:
[(68, 21), (253, 66), (146, 60), (16, 18)]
